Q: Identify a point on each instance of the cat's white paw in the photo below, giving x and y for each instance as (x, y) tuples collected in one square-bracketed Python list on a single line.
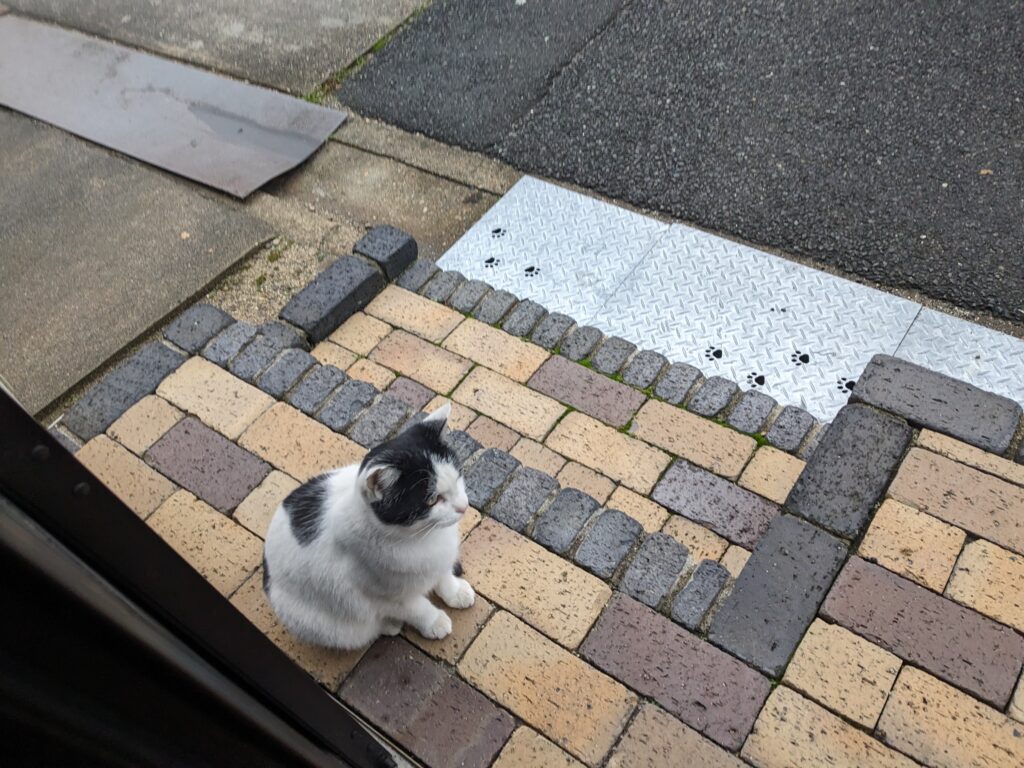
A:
[(390, 627), (456, 593), (441, 627)]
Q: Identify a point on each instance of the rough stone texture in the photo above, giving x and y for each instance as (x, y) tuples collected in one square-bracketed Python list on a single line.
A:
[(404, 309), (702, 543), (944, 727), (258, 507), (416, 396), (196, 326), (533, 454), (550, 331), (417, 275), (809, 447), (977, 502), (581, 342), (727, 509), (380, 421), (229, 342), (582, 478), (655, 739), (712, 397), (523, 318), (530, 675), (592, 393), (389, 247), (528, 749), (850, 470), (844, 672), (676, 383), (285, 371), (751, 411), (612, 355), (777, 594), (283, 335), (912, 544), (952, 642), (141, 425), (527, 412), (345, 287), (556, 597), (990, 579), (607, 543), (120, 389), (486, 475), (650, 515), (704, 687), (468, 295), (929, 399), (462, 444), (560, 524), (644, 368), (254, 358), (310, 393), (695, 599), (771, 473), (126, 475), (790, 428), (499, 351), (210, 466), (654, 569), (735, 560), (413, 698), (360, 333), (494, 306), (524, 495), (968, 454), (421, 361)]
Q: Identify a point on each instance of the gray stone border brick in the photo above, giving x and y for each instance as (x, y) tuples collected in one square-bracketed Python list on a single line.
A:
[(392, 249), (333, 296)]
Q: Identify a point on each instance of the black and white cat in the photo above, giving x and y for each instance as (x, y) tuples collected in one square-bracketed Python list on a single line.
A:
[(354, 553)]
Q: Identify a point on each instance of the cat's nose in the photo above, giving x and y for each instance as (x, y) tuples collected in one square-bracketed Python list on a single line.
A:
[(461, 510)]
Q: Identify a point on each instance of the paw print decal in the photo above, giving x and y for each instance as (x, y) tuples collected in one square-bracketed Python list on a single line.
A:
[(800, 358), (713, 353), (498, 232), (531, 271), (845, 385), (755, 380), (492, 262)]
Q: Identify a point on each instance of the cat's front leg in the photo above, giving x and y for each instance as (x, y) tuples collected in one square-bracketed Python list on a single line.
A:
[(455, 592), (425, 618)]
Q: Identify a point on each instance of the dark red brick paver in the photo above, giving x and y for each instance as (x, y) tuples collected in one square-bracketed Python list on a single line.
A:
[(587, 391)]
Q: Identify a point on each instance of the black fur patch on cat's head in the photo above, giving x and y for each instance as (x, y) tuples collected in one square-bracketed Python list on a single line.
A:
[(305, 509), (405, 472)]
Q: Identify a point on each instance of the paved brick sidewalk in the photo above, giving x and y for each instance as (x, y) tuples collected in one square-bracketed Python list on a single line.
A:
[(656, 588)]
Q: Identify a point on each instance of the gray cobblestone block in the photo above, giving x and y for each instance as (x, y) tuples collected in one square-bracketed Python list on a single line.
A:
[(560, 524), (468, 295), (676, 383), (523, 318), (61, 437), (229, 342), (522, 497), (122, 388), (287, 369), (751, 412), (929, 399), (310, 393), (486, 475), (416, 276), (254, 359), (284, 335), (494, 307), (813, 442), (551, 330), (413, 393), (612, 355), (443, 285), (388, 246), (644, 368), (607, 543), (790, 428), (196, 326), (347, 402), (337, 293), (655, 568), (581, 342), (712, 397), (380, 421), (695, 599), (463, 444)]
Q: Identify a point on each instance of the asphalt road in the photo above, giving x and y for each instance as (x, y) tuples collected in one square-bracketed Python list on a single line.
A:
[(884, 139)]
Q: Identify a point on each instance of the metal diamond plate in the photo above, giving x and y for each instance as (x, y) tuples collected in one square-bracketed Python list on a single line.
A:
[(562, 249), (986, 358)]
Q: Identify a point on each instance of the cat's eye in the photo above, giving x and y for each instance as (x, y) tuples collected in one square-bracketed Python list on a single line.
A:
[(433, 500)]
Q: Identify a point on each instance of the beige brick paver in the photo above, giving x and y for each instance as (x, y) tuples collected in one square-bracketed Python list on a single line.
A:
[(527, 412), (699, 441), (469, 521), (556, 597), (371, 373), (421, 361), (298, 445), (460, 417), (622, 458), (533, 454), (702, 543), (655, 739), (794, 732), (223, 551), (1016, 708), (574, 475), (650, 515), (491, 434), (497, 350), (259, 506), (133, 481), (579, 708), (327, 665), (144, 423), (846, 673), (975, 457), (528, 749), (912, 544), (425, 318), (990, 579), (360, 333), (220, 400), (466, 624), (772, 473), (944, 727), (734, 559), (331, 354)]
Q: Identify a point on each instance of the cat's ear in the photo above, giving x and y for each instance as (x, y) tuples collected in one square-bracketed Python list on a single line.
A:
[(439, 418), (376, 479)]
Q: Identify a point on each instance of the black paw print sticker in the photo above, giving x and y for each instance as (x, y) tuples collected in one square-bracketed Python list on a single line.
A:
[(492, 262), (532, 271), (800, 358), (845, 385), (755, 379), (713, 353), (498, 232)]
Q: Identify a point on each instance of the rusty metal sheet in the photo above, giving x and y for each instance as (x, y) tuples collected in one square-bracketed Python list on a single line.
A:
[(223, 133)]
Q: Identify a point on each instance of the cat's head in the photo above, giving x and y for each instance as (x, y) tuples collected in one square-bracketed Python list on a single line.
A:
[(414, 479)]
